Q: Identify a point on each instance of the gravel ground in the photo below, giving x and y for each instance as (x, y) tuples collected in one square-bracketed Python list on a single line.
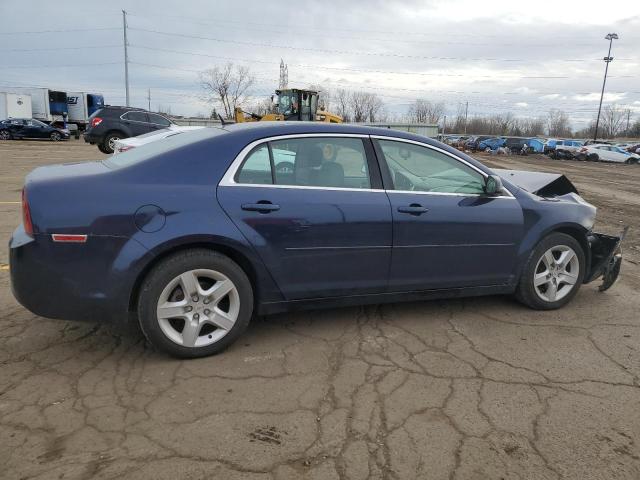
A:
[(474, 388)]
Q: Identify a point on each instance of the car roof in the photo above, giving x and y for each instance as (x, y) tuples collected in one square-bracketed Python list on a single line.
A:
[(259, 130)]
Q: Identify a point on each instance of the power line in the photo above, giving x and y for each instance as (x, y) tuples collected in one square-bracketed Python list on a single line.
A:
[(308, 26), (62, 66), (344, 69), (60, 31), (56, 48), (344, 52), (323, 34)]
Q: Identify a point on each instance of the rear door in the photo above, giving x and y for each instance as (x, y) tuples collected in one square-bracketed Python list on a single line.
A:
[(313, 208), (446, 232)]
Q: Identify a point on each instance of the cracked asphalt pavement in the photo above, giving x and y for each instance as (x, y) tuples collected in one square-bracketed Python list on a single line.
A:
[(457, 389)]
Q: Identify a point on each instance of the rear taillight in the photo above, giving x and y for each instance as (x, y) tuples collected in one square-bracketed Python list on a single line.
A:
[(95, 122), (26, 214)]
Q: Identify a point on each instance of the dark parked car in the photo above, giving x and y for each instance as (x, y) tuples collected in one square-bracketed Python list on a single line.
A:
[(18, 128), (194, 234), (473, 142), (110, 124), (515, 144)]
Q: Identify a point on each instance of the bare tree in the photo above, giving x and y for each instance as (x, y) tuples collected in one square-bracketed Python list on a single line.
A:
[(532, 126), (502, 122), (558, 124), (613, 121), (325, 96), (262, 106), (342, 100), (364, 106), (226, 86), (424, 111)]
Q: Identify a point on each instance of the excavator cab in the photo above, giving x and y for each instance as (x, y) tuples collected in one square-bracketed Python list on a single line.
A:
[(291, 104), (295, 104)]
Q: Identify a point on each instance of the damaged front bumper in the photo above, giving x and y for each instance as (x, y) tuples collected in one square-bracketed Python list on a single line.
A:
[(606, 258)]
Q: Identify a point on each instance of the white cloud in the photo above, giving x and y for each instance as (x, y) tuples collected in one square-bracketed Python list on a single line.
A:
[(595, 97), (522, 104)]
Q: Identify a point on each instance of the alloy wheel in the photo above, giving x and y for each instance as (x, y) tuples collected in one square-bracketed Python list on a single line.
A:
[(4, 135), (55, 136), (198, 308), (112, 142), (556, 273)]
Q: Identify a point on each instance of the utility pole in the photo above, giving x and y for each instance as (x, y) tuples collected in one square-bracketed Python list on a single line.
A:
[(466, 115), (149, 98), (611, 37), (126, 57), (444, 126), (628, 119)]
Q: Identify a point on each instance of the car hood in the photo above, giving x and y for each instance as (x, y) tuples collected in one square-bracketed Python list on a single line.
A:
[(539, 183)]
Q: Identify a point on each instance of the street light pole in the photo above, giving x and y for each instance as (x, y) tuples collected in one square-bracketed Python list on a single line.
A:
[(611, 37), (126, 57)]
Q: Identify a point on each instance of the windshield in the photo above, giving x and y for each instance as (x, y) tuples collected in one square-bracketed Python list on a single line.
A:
[(287, 103), (152, 149)]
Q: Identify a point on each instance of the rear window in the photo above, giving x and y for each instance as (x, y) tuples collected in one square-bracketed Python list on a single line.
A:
[(150, 150)]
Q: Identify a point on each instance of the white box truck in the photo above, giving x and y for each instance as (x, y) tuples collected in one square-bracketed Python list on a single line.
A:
[(81, 106), (15, 105), (48, 105)]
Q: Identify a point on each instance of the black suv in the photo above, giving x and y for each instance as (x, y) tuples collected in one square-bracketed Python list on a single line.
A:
[(110, 124)]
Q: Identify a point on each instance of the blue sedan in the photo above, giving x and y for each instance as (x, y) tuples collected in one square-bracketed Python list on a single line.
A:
[(193, 235)]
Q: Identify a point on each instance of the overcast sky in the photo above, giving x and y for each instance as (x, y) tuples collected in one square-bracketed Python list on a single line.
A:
[(524, 57)]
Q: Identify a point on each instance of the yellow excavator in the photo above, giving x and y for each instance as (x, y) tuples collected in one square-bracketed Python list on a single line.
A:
[(291, 104)]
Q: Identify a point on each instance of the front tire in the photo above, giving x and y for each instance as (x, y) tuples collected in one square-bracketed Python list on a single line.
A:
[(195, 303), (55, 137), (553, 274)]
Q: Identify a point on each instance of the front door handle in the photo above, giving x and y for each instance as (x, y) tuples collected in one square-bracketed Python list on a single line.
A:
[(413, 209), (262, 207)]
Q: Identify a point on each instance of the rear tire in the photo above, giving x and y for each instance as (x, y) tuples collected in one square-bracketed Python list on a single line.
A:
[(202, 322), (593, 157), (102, 148), (5, 135), (109, 141), (550, 282)]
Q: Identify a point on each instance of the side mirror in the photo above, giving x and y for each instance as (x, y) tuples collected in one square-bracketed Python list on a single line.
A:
[(493, 185)]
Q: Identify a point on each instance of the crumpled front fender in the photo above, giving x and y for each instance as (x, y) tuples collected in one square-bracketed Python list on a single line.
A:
[(606, 258)]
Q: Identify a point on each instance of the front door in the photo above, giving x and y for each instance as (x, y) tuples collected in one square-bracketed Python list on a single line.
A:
[(446, 232), (315, 213)]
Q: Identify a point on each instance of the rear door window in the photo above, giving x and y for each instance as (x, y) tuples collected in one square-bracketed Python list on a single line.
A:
[(309, 162), (136, 117), (321, 162)]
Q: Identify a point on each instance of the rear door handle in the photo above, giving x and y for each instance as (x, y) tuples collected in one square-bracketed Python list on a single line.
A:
[(413, 209), (262, 207)]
